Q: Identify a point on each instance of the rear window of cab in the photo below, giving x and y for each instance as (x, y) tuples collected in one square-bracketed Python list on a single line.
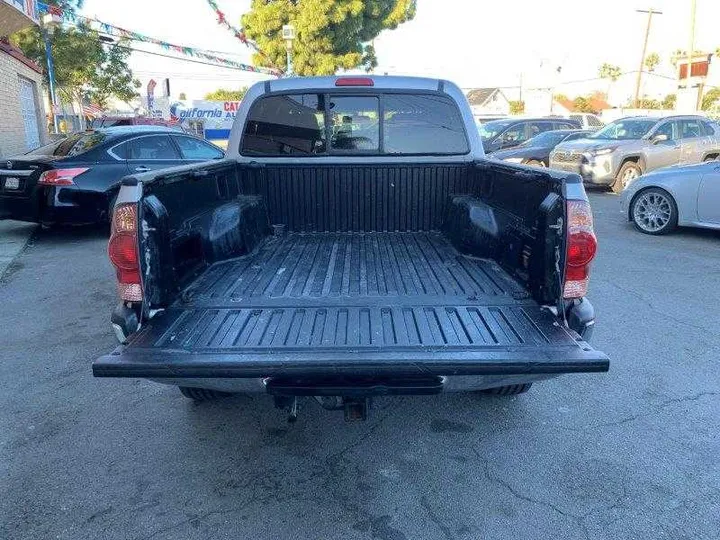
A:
[(315, 124)]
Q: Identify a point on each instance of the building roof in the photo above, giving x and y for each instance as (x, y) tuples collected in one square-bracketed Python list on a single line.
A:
[(480, 96), (7, 48)]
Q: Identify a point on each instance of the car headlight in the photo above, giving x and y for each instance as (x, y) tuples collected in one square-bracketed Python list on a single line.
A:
[(603, 151), (514, 160)]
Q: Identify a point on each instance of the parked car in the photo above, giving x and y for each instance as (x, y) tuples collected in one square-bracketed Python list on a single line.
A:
[(686, 196), (116, 121), (348, 263), (75, 180), (484, 119), (630, 147), (508, 133), (536, 151), (587, 120)]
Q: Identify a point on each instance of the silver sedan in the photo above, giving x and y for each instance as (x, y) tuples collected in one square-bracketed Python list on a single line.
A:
[(662, 200)]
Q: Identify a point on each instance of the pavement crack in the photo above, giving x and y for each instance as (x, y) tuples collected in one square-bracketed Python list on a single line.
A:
[(659, 311), (444, 529), (578, 520)]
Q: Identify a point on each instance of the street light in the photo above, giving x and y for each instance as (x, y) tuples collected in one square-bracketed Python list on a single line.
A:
[(288, 34), (49, 23)]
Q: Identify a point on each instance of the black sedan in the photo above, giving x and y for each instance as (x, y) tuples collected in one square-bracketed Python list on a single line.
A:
[(75, 181), (536, 151)]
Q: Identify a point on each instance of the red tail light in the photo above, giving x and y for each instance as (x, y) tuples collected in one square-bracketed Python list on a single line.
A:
[(123, 252), (581, 249), (354, 81), (60, 177)]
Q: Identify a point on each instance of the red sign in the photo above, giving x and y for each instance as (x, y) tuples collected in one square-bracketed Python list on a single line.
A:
[(699, 69)]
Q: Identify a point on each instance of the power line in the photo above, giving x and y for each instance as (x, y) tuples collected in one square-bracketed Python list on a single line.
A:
[(180, 59)]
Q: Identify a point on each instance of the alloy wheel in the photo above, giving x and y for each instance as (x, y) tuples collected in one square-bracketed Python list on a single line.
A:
[(652, 211)]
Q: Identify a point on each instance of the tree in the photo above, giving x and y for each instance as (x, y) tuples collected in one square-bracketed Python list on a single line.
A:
[(112, 78), (330, 34), (583, 104), (611, 73), (669, 101), (221, 94), (648, 103), (517, 107), (651, 61), (76, 54), (710, 99)]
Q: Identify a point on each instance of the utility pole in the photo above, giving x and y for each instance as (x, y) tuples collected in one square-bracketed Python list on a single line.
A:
[(638, 82), (691, 51), (49, 22)]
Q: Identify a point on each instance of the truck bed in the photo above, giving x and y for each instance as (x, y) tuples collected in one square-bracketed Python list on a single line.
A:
[(360, 302)]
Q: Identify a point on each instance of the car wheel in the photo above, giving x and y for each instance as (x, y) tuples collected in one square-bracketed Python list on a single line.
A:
[(536, 163), (511, 390), (628, 172), (202, 394), (654, 211)]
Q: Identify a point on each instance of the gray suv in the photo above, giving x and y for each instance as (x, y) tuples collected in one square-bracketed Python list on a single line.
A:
[(630, 147)]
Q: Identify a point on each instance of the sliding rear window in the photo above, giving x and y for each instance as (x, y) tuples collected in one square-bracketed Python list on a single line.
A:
[(343, 124)]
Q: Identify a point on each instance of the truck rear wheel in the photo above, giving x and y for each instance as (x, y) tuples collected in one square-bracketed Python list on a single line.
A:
[(202, 394), (510, 390)]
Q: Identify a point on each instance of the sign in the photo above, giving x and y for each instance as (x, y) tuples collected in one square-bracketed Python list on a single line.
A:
[(216, 117)]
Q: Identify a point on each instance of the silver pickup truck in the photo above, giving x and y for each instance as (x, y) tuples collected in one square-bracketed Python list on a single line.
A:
[(355, 242), (630, 147)]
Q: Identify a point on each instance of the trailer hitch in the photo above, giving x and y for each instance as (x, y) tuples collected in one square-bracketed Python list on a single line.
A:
[(356, 409)]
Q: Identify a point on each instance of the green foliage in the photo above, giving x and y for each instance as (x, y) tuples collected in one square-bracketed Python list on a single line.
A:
[(561, 97), (669, 101), (647, 103), (113, 78), (517, 107), (222, 94), (76, 54), (583, 104), (710, 99), (330, 34), (83, 68), (609, 71), (651, 61), (182, 96)]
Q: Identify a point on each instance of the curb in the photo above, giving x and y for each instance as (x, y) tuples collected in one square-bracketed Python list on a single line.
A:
[(14, 236)]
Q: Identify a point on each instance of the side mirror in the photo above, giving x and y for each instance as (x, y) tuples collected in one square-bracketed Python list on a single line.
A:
[(660, 137)]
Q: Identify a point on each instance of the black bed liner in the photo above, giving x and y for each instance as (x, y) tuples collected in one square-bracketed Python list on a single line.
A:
[(352, 303)]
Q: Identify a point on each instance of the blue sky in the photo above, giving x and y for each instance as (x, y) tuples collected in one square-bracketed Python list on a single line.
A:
[(474, 43)]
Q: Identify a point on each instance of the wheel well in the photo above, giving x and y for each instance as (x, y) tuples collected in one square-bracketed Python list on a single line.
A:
[(711, 155), (643, 190), (638, 160)]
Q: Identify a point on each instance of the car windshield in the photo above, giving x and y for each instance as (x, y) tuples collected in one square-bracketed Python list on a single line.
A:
[(490, 130), (549, 138), (625, 130)]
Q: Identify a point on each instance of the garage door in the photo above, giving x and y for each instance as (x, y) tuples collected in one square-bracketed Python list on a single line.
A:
[(29, 113)]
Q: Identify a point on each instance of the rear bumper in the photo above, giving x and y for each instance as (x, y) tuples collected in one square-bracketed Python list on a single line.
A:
[(51, 205), (448, 384)]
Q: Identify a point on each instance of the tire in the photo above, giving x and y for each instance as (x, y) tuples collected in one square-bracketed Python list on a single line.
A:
[(628, 172), (511, 390), (536, 163), (201, 394), (654, 211)]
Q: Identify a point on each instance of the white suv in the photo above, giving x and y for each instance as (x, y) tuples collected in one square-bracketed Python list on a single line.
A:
[(587, 120)]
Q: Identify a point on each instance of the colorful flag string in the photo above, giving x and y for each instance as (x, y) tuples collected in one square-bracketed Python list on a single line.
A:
[(123, 33), (237, 32)]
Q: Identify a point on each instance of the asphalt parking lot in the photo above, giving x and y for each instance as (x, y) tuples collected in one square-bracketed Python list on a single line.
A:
[(628, 454)]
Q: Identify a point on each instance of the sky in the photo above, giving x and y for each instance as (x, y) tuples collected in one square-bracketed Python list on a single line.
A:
[(471, 42)]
